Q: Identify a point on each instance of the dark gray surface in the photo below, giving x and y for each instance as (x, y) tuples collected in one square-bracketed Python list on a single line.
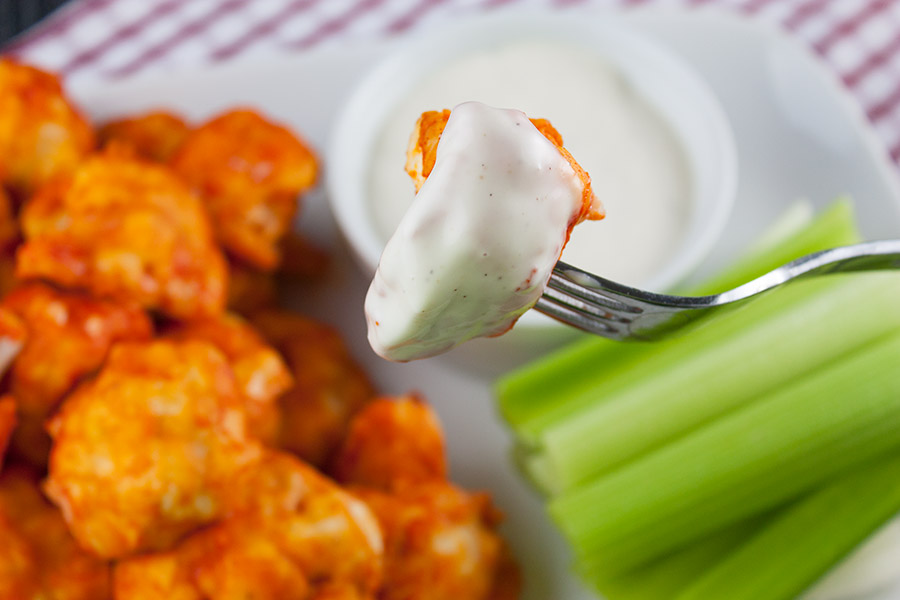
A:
[(18, 15)]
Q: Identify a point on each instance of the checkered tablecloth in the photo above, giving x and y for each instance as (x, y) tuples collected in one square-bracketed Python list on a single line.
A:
[(859, 39)]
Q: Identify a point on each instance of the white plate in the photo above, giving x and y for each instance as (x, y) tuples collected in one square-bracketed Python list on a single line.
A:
[(798, 133)]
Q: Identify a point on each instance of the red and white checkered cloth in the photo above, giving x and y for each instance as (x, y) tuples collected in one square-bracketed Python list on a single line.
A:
[(860, 39)]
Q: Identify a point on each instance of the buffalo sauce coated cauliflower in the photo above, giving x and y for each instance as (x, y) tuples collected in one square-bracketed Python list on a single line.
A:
[(421, 155), (440, 541), (42, 135), (128, 230), (329, 386), (259, 370), (147, 451), (69, 336), (249, 173), (154, 136), (39, 559), (291, 534), (392, 442)]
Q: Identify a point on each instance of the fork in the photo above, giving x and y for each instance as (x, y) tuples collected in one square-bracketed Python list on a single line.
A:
[(609, 309)]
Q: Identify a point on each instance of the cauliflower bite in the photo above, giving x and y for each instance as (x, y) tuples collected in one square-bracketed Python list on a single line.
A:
[(69, 336), (292, 534), (497, 201), (39, 559), (422, 154), (230, 560), (7, 423), (259, 370), (146, 451), (440, 544), (440, 541), (249, 171), (128, 230), (154, 136), (329, 386), (42, 134), (392, 443), (18, 573)]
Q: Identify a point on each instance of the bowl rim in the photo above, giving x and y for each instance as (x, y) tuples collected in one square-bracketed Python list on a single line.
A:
[(359, 121)]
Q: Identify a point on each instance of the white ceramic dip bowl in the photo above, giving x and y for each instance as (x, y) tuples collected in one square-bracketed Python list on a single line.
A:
[(651, 134)]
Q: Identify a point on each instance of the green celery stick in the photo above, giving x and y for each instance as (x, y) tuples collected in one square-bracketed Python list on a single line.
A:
[(664, 578), (639, 362), (553, 387), (742, 464), (799, 546), (694, 383)]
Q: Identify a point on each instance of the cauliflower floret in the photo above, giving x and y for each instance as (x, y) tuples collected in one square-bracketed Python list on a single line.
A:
[(329, 386), (154, 136), (249, 172), (69, 335), (39, 560), (42, 135), (441, 542), (147, 451), (259, 370), (291, 534), (128, 230), (392, 443), (421, 154)]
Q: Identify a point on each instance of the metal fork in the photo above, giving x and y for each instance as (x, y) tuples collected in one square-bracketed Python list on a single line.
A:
[(620, 312)]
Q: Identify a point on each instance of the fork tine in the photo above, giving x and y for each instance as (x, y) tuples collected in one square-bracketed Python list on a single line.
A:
[(612, 302), (586, 307), (570, 315)]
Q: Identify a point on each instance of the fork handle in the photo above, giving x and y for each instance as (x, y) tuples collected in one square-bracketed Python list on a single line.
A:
[(867, 256)]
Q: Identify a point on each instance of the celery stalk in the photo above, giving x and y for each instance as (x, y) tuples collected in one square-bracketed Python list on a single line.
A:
[(699, 382), (639, 362), (794, 550), (742, 464), (552, 388), (665, 577)]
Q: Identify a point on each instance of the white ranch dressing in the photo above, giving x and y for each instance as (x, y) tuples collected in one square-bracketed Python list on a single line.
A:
[(637, 166), (475, 249)]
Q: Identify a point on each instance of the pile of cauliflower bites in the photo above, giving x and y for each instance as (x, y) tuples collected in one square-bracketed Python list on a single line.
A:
[(168, 432)]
